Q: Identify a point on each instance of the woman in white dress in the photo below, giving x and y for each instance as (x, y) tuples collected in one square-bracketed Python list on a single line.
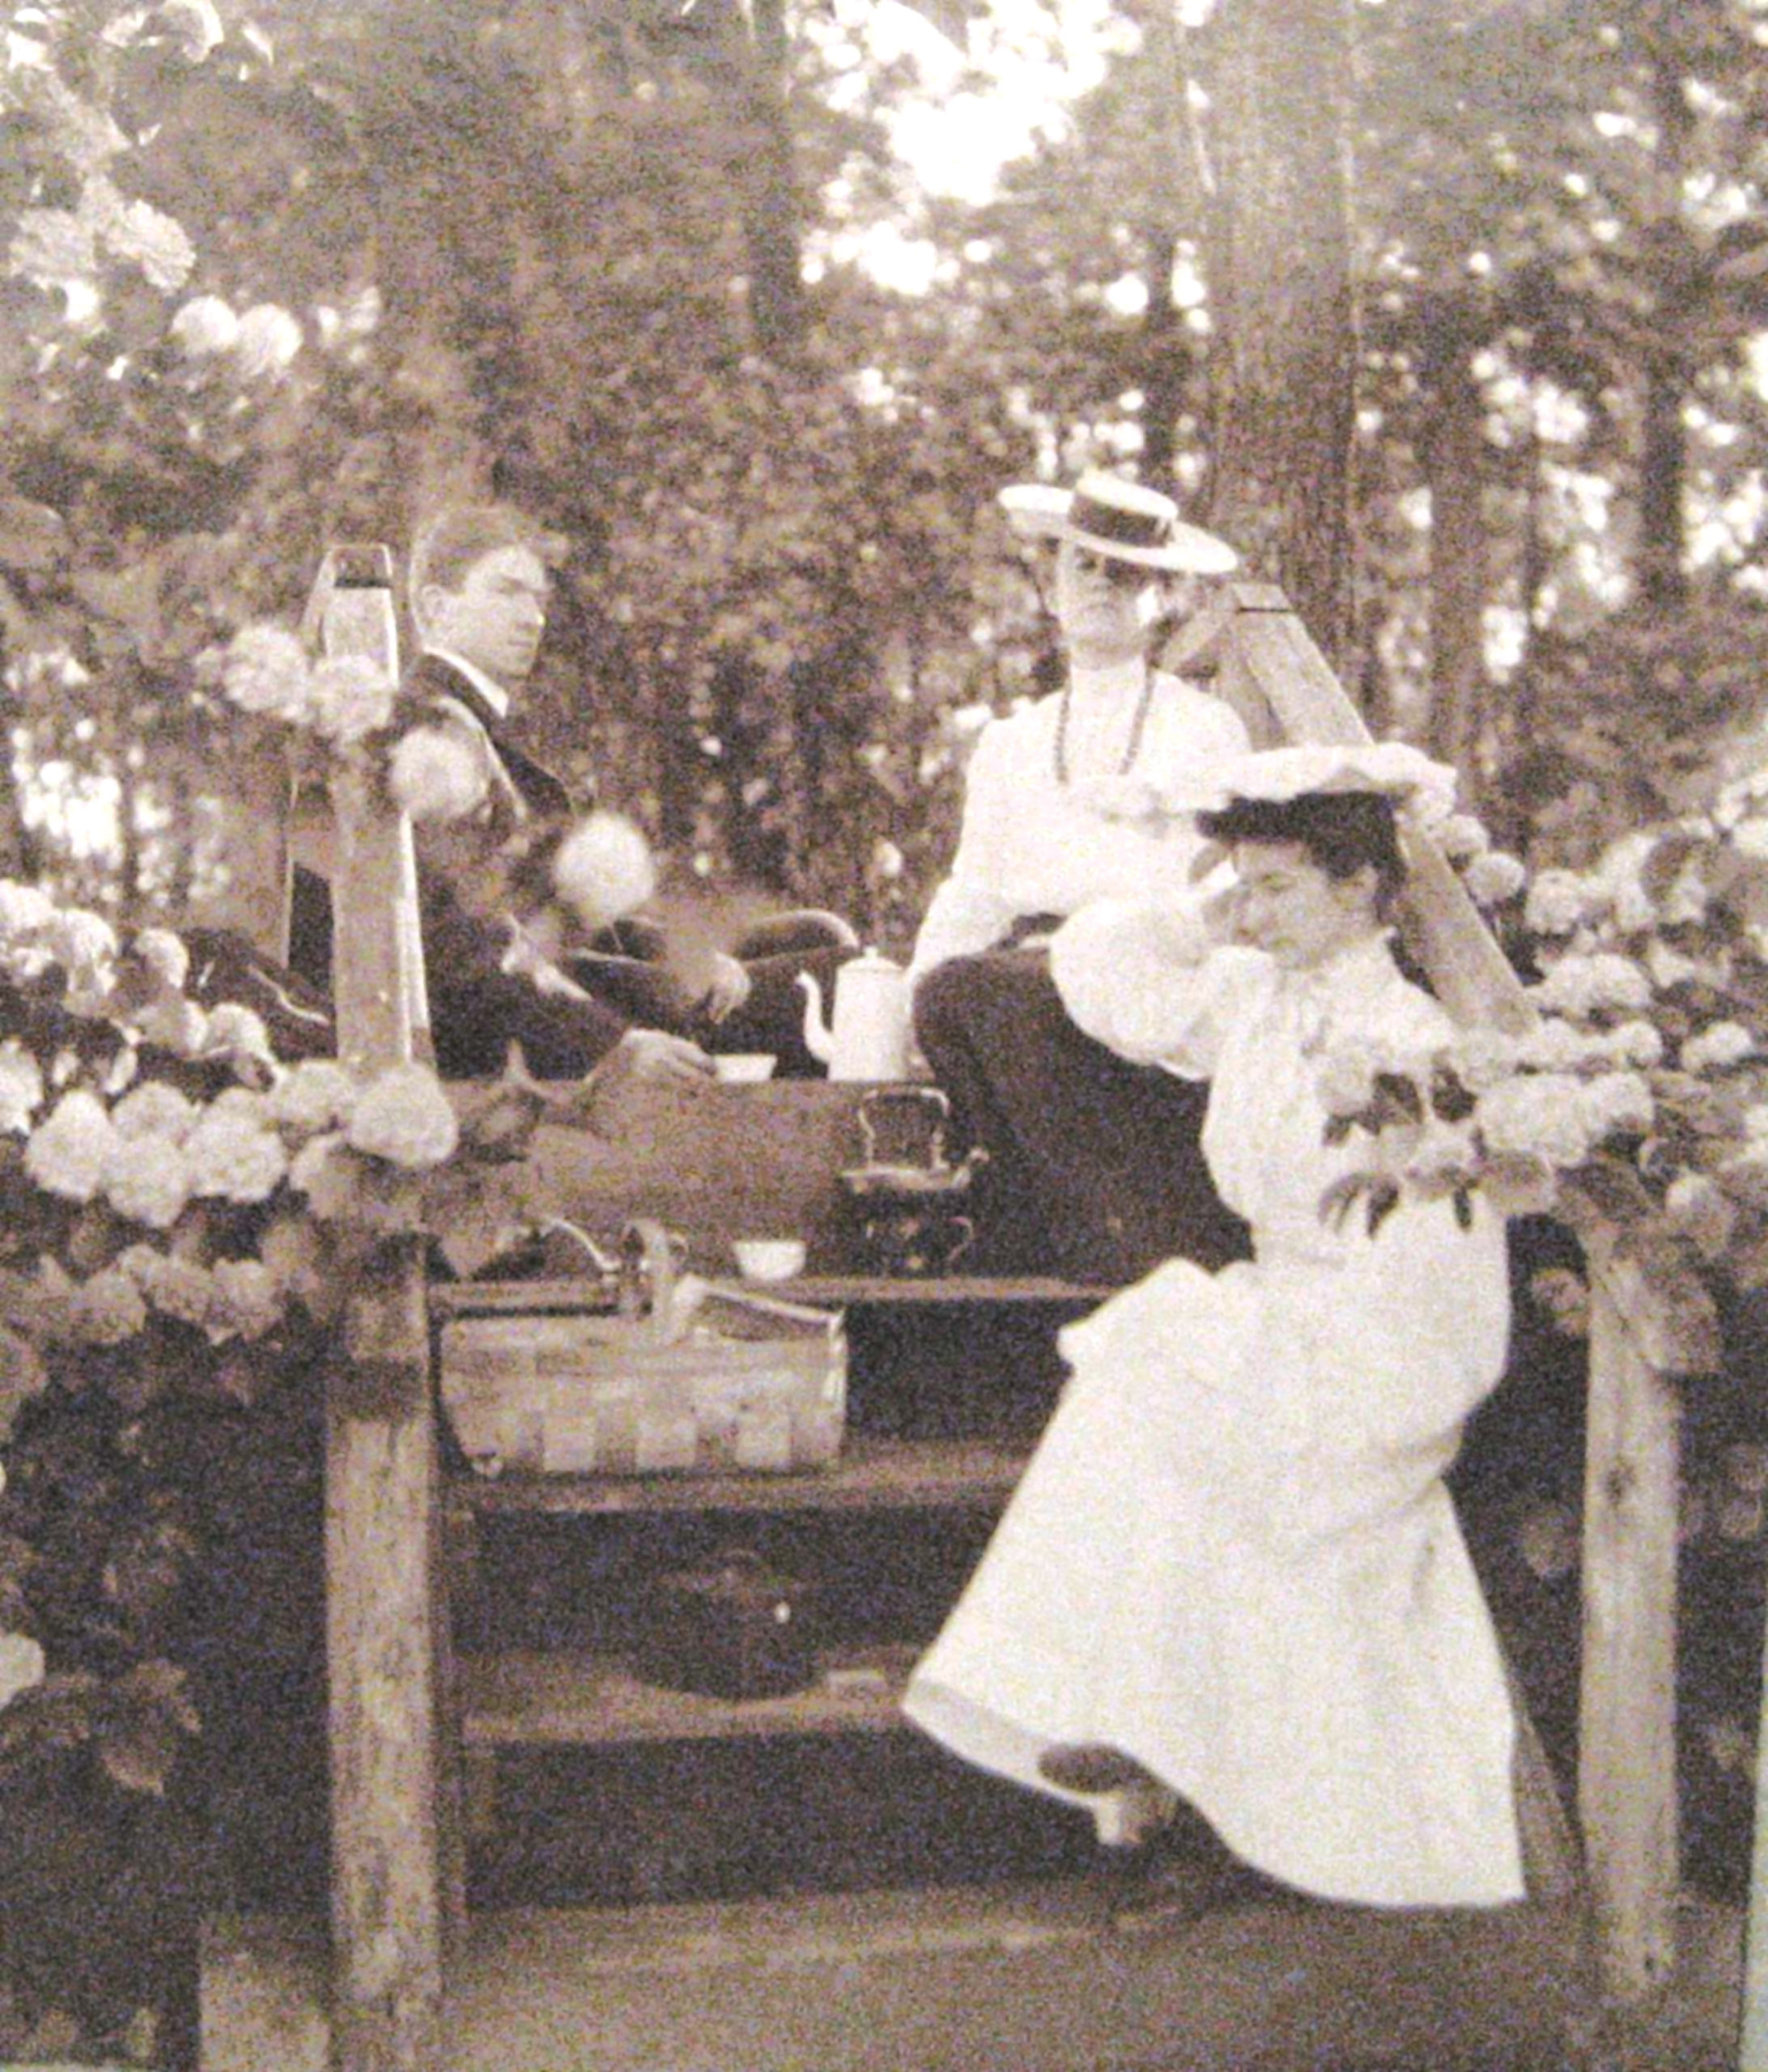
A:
[(1232, 1571), (1095, 1170)]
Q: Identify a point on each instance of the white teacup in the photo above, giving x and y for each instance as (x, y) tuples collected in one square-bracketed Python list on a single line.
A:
[(769, 1259), (744, 1067)]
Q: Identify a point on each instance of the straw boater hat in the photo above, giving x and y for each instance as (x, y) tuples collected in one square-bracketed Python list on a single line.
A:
[(1109, 516)]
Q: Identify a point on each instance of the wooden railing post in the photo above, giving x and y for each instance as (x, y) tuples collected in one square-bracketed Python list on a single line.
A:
[(381, 1458), (1627, 1736)]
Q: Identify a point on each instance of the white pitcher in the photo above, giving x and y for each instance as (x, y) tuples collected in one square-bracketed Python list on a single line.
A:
[(867, 1036)]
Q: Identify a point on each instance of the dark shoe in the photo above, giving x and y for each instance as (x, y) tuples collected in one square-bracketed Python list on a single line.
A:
[(1091, 1766)]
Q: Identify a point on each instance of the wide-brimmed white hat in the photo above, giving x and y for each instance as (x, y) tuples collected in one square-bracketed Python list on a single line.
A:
[(1123, 520), (1423, 788)]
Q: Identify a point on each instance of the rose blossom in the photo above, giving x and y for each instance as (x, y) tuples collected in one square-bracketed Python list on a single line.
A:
[(1461, 838), (1633, 1043), (1536, 1117), (68, 1151), (21, 1086), (246, 1302), (206, 324), (155, 1109), (234, 1158), (265, 670), (22, 1666), (1493, 876), (1559, 901), (1700, 1210), (312, 1096), (405, 1117), (177, 1287), (1719, 1044), (106, 1310), (266, 342), (164, 954), (603, 869), (349, 696), (436, 775), (1616, 1101), (1481, 1058), (237, 1029), (1584, 985), (148, 1179)]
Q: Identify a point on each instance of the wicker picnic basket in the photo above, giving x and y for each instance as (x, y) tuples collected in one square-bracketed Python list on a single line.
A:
[(678, 1375)]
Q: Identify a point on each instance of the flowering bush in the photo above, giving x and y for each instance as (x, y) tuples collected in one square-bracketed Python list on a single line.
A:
[(1637, 1104), (184, 1215)]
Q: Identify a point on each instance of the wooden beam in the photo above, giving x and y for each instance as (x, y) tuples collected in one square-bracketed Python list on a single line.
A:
[(1273, 661), (1753, 2048), (1627, 1796), (383, 1637)]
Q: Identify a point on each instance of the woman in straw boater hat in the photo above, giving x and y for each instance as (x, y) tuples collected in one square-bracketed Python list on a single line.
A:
[(1094, 1165), (1232, 1572)]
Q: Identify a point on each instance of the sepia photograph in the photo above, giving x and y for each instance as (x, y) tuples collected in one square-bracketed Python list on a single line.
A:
[(883, 1035)]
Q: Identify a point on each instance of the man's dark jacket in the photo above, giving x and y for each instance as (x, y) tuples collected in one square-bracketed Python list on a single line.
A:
[(477, 1009)]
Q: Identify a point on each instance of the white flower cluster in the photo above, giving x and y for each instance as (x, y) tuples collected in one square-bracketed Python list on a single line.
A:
[(1594, 982), (261, 344), (604, 869), (438, 773), (405, 1118)]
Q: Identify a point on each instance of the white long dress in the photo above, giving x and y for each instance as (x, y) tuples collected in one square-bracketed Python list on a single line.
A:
[(1233, 1556)]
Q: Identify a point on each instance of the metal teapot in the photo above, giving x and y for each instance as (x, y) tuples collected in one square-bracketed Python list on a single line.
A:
[(867, 1035)]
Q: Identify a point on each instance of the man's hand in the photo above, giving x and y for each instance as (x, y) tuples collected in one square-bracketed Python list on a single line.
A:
[(727, 989), (701, 980), (642, 1057), (647, 1054)]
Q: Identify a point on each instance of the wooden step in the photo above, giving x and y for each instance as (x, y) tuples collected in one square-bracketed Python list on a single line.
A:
[(495, 1298), (870, 1475), (1049, 1978), (577, 1698)]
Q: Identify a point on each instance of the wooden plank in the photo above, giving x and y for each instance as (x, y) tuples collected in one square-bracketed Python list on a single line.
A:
[(578, 1700), (377, 954), (1753, 2047), (871, 1475), (1010, 1977), (1272, 655), (383, 1614), (1627, 1799), (507, 1298)]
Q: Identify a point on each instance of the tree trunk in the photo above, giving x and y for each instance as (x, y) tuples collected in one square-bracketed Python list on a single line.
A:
[(1663, 584), (1663, 471), (1454, 453), (1164, 369), (1282, 297), (772, 209)]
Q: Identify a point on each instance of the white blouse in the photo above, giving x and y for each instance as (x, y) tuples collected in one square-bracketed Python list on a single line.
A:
[(1388, 1336), (1029, 844)]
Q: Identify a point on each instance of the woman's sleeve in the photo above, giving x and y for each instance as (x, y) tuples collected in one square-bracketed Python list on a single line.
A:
[(968, 912), (1146, 980)]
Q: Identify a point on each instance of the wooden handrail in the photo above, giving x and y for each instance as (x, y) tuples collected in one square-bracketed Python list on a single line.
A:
[(384, 1646)]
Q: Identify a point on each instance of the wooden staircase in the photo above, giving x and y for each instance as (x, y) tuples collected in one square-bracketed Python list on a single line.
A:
[(407, 1982)]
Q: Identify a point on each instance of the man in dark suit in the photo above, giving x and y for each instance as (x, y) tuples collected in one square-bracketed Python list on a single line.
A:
[(635, 999)]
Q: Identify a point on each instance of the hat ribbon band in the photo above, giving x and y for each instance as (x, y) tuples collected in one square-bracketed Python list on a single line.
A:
[(1128, 529)]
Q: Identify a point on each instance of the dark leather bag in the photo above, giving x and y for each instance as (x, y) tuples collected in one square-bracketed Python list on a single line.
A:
[(733, 1628)]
